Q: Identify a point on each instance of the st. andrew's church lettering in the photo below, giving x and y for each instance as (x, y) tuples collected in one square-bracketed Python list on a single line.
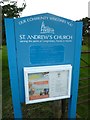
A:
[(47, 37)]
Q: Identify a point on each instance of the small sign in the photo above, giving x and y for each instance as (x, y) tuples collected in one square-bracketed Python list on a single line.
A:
[(47, 83)]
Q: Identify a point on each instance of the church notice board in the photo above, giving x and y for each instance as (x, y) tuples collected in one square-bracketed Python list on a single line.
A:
[(38, 46), (47, 83)]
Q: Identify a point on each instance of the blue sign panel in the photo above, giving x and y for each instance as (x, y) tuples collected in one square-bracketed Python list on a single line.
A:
[(46, 54), (43, 40)]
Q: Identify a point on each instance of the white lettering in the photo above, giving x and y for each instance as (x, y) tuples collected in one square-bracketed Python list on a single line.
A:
[(45, 37), (22, 37)]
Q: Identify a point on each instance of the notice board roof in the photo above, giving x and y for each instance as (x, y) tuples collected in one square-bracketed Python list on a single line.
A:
[(46, 16)]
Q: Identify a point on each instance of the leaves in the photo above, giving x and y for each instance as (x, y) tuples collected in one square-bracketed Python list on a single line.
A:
[(86, 25), (10, 11)]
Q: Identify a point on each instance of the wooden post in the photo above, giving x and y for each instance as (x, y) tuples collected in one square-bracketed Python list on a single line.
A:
[(10, 34)]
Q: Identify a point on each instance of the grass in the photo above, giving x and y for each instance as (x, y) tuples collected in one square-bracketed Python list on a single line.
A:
[(0, 71), (0, 83), (5, 76), (42, 108), (6, 91), (82, 109)]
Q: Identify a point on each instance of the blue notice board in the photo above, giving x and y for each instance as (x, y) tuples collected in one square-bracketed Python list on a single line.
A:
[(42, 40)]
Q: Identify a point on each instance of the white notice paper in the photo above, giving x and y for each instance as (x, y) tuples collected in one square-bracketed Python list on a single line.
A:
[(58, 83)]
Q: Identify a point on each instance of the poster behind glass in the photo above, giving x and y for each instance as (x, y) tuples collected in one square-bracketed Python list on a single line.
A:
[(45, 85)]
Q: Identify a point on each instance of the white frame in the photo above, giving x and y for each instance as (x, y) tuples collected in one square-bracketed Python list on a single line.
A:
[(46, 69)]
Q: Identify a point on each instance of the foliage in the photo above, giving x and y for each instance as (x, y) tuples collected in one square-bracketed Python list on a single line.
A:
[(10, 11), (86, 30), (85, 26)]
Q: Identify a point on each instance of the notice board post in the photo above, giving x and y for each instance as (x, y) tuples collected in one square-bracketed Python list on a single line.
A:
[(73, 100), (11, 48), (44, 60)]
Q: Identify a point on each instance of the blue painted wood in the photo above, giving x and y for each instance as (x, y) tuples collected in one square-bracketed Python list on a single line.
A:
[(10, 35), (76, 69), (30, 52)]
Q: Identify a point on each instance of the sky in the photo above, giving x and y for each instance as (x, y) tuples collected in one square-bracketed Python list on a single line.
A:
[(71, 9), (89, 9)]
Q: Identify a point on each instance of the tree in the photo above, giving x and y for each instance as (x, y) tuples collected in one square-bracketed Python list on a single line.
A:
[(86, 30), (10, 10), (85, 26)]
